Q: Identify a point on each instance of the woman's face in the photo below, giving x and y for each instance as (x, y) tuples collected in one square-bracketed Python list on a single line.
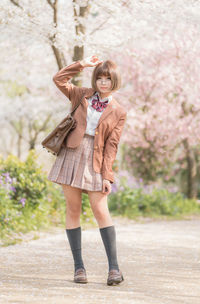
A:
[(104, 84)]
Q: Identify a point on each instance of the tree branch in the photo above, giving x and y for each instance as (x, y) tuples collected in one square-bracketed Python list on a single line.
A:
[(16, 3), (98, 27), (51, 4)]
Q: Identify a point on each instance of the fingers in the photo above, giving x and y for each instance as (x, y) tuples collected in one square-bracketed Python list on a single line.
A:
[(95, 60), (91, 61), (106, 189)]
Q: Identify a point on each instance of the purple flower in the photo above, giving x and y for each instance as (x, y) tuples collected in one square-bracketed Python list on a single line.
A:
[(8, 179), (13, 189), (22, 201), (6, 174)]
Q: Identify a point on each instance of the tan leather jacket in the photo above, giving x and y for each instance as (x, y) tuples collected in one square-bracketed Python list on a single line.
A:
[(108, 130)]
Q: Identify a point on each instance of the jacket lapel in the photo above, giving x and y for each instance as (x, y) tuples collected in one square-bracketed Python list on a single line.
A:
[(107, 111)]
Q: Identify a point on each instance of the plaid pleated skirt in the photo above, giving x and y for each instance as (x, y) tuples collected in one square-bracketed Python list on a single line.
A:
[(74, 167)]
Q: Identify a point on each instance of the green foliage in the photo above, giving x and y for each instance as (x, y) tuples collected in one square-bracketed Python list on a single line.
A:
[(28, 201), (135, 202), (27, 179)]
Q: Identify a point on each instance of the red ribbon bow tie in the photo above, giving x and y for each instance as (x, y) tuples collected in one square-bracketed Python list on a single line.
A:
[(99, 105)]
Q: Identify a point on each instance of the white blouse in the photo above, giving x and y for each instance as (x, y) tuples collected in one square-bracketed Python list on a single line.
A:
[(93, 115)]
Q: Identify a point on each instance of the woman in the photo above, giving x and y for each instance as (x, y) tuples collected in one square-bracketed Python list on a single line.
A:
[(84, 164)]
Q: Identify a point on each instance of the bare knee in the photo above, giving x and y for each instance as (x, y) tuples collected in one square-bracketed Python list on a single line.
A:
[(100, 213), (73, 200), (73, 209), (99, 205)]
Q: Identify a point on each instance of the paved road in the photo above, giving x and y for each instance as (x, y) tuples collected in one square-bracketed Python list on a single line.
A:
[(160, 261)]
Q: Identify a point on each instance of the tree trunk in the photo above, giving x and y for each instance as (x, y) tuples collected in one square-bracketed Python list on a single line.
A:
[(60, 58), (80, 30), (18, 127), (191, 171), (34, 131), (19, 143)]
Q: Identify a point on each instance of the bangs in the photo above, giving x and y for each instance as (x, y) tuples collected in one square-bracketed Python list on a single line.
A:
[(103, 71)]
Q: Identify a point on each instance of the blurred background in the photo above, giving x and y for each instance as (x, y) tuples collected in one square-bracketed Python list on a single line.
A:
[(157, 48)]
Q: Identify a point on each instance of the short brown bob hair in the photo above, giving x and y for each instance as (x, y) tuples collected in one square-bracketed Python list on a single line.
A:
[(107, 68)]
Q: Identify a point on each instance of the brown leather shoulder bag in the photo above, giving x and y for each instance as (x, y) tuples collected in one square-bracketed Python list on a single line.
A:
[(56, 138)]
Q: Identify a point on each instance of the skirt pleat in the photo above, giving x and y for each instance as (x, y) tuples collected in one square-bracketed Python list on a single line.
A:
[(74, 166)]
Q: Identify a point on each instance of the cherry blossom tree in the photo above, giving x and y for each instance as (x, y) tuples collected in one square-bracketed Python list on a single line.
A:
[(163, 100)]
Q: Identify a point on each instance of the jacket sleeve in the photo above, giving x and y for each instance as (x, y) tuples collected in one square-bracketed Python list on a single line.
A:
[(110, 150), (62, 77)]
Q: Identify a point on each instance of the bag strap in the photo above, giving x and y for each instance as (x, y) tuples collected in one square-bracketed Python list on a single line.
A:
[(77, 104)]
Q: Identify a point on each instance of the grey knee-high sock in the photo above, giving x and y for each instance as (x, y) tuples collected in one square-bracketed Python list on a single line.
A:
[(74, 237), (108, 235)]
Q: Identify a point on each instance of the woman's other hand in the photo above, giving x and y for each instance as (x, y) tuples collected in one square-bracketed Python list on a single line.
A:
[(90, 61), (106, 186)]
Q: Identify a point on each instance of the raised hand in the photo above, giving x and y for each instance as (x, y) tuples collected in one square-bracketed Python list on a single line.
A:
[(90, 61)]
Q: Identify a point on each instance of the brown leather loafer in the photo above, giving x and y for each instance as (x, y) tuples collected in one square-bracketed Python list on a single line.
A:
[(114, 277), (80, 276)]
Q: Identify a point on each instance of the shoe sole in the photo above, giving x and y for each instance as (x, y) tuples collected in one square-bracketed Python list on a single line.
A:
[(81, 282), (115, 282)]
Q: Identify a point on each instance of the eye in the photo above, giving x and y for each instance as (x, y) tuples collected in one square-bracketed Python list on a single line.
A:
[(102, 78)]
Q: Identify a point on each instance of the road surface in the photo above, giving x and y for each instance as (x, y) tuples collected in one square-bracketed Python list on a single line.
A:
[(160, 261)]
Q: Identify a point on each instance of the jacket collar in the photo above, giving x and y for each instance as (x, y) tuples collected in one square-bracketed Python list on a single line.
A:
[(89, 92)]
